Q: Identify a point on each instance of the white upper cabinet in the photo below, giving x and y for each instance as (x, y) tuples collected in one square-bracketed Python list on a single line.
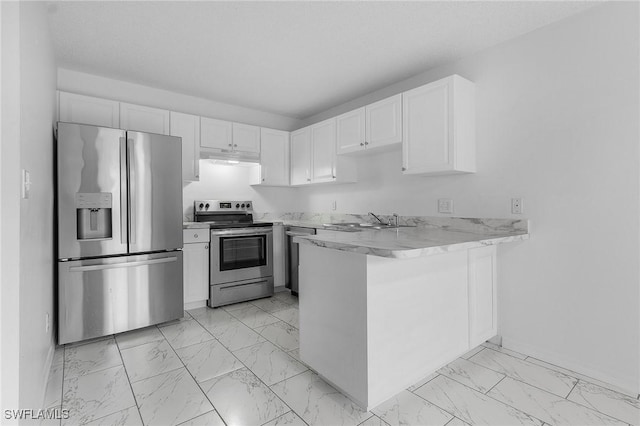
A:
[(274, 157), (82, 109), (187, 127), (216, 134), (373, 127), (351, 131), (229, 139), (246, 138), (384, 122), (301, 157), (323, 151), (144, 119), (314, 158), (439, 128)]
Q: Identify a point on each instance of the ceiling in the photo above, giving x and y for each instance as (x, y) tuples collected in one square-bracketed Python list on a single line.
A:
[(290, 58)]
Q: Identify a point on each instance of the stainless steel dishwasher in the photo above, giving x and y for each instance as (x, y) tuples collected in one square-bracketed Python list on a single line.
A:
[(291, 256)]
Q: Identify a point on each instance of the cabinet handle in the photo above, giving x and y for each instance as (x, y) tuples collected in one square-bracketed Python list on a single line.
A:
[(230, 145), (366, 143), (235, 145), (404, 169), (308, 180), (263, 179), (361, 144), (206, 247)]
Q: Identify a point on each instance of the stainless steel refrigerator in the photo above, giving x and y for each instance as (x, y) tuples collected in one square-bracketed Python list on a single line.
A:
[(119, 213)]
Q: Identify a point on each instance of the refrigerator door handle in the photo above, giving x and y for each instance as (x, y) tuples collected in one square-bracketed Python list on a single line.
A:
[(123, 190), (132, 195), (122, 265)]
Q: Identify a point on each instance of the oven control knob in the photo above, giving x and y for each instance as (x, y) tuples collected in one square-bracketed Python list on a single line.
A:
[(207, 206), (237, 206), (248, 205), (201, 206), (242, 205)]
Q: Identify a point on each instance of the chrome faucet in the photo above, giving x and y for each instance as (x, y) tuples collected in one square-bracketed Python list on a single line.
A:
[(395, 220), (377, 218)]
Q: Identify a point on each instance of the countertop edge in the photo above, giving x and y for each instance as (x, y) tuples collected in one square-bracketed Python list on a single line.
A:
[(404, 253)]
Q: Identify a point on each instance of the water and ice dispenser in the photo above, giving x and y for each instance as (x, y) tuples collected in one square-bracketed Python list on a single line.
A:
[(93, 212)]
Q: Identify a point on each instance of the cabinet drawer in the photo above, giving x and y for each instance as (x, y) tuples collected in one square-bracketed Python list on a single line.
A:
[(195, 235)]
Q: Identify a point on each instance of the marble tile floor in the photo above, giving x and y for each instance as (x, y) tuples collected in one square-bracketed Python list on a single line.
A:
[(240, 365)]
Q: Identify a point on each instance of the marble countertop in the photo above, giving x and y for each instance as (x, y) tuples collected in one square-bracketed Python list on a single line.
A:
[(408, 242)]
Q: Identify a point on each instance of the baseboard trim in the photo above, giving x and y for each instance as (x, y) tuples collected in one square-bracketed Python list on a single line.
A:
[(625, 383)]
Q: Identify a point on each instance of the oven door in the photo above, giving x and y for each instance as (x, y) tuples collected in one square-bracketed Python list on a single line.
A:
[(241, 254)]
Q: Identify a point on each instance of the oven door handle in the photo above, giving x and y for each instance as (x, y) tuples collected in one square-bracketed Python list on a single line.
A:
[(242, 231)]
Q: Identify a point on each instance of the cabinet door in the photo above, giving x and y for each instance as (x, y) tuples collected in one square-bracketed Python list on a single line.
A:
[(350, 131), (323, 150), (384, 122), (482, 295), (144, 119), (215, 134), (246, 138), (196, 272), (187, 127), (82, 109), (427, 129), (301, 157), (274, 157)]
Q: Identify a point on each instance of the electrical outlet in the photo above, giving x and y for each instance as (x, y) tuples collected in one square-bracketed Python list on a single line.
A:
[(516, 206), (445, 205), (334, 205), (26, 184), (47, 324)]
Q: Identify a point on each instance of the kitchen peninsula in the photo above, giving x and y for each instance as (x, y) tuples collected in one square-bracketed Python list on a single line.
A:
[(396, 304)]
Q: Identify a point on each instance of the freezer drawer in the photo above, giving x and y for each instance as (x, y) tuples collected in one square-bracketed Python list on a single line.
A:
[(104, 296)]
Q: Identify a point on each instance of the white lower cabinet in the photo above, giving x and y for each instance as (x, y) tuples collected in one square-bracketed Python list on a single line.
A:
[(196, 267), (483, 318)]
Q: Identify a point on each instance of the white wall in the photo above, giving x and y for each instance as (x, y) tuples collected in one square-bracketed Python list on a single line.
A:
[(557, 124), (232, 182), (38, 111), (9, 205), (93, 85)]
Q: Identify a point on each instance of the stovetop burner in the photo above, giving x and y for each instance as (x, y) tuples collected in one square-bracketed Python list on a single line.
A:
[(226, 214)]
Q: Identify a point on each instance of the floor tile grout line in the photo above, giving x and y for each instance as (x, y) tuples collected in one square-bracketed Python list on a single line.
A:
[(584, 379), (245, 366), (522, 381), (574, 386), (591, 408), (546, 391), (490, 397), (505, 376), (124, 367), (200, 387)]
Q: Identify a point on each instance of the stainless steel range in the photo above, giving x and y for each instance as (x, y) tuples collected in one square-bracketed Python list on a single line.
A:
[(241, 251)]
